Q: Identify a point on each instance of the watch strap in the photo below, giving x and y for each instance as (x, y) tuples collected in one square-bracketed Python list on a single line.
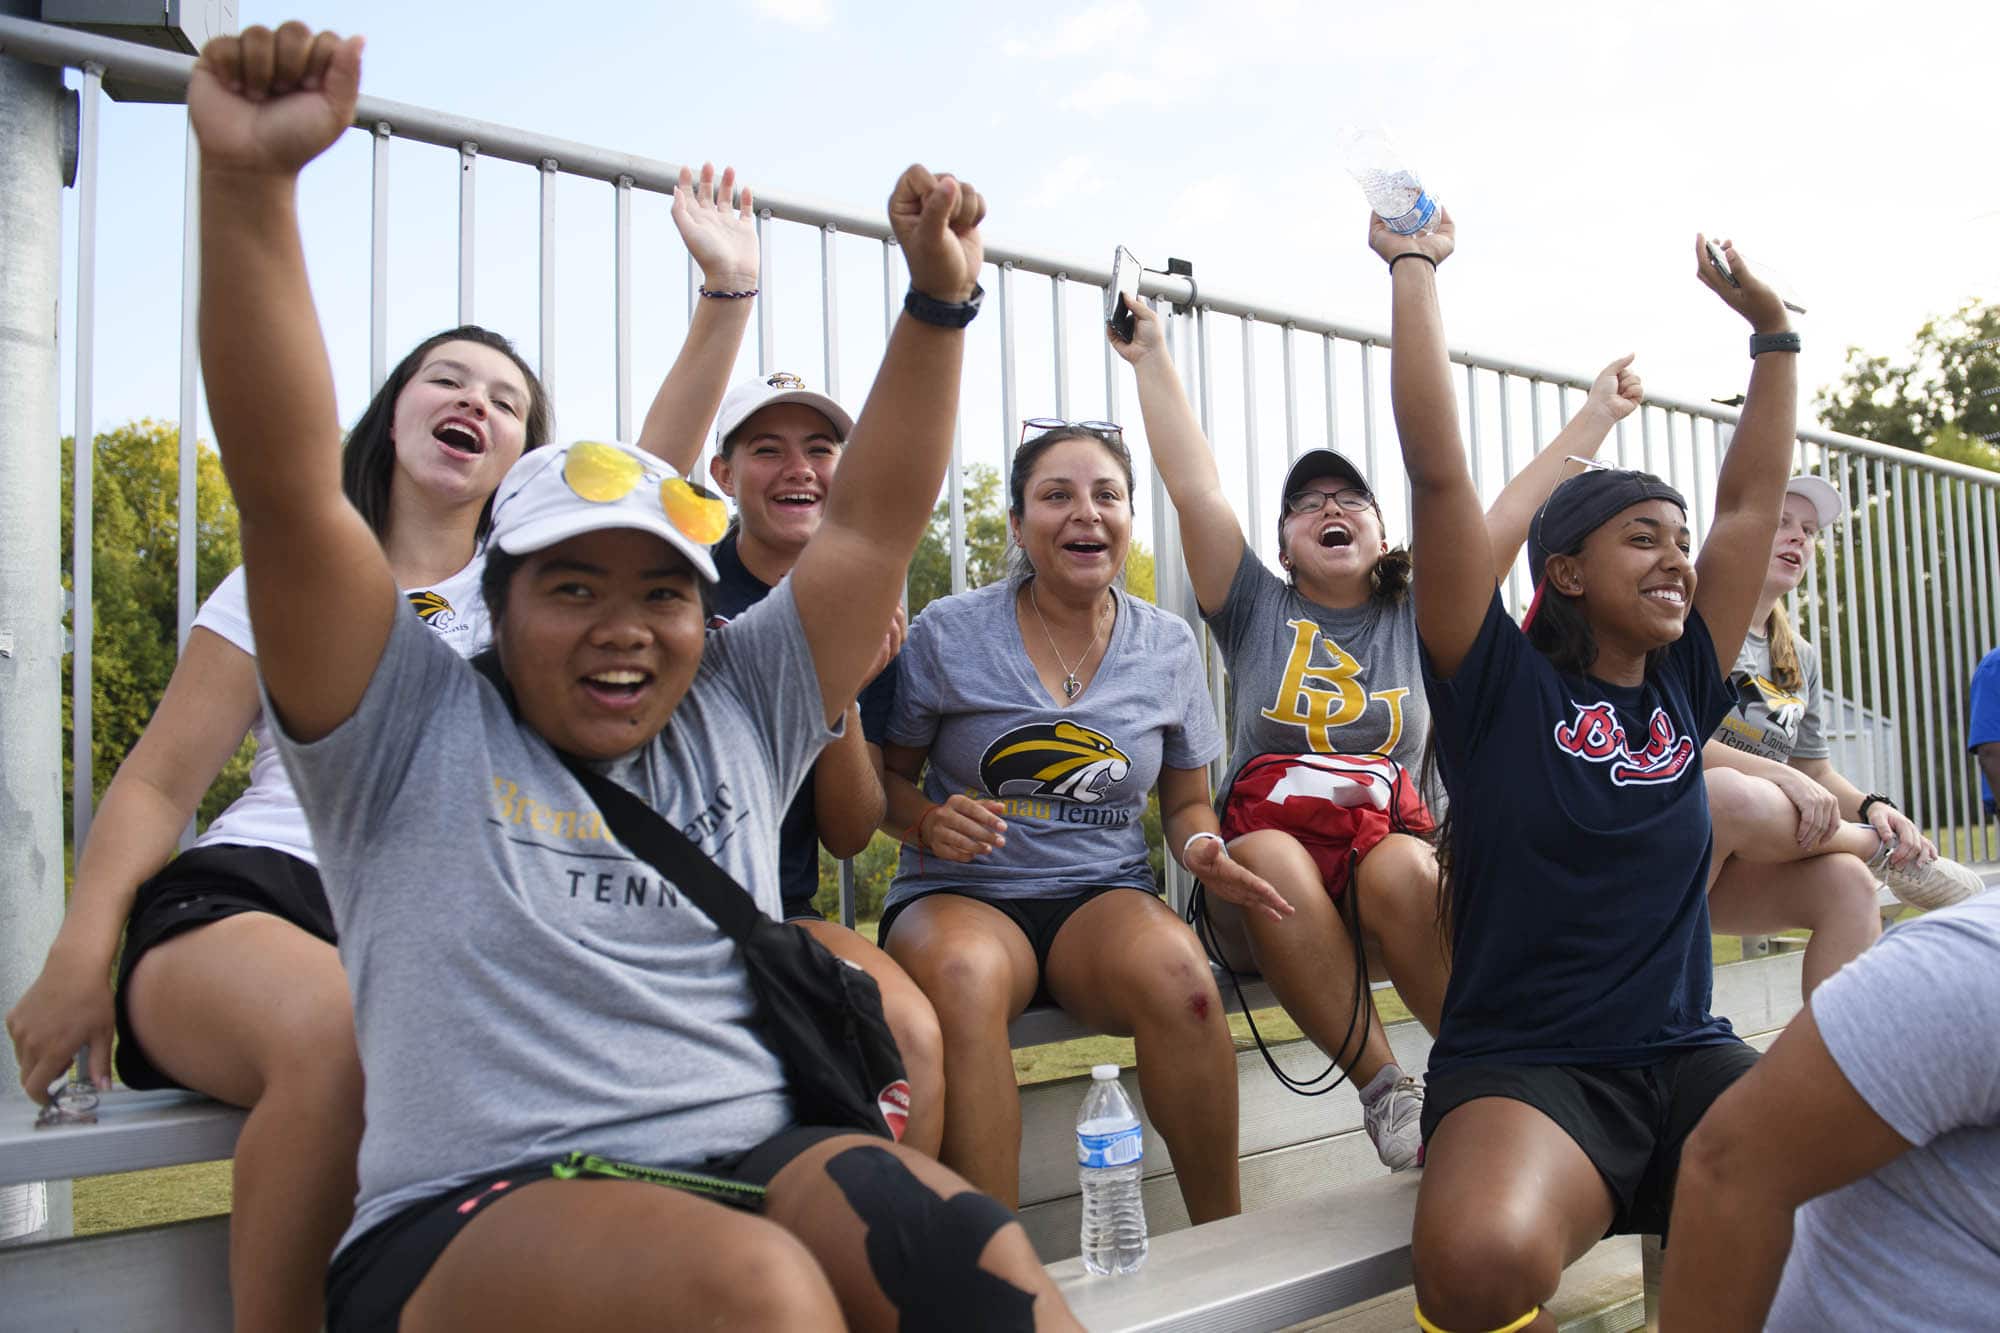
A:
[(944, 314), (1761, 343)]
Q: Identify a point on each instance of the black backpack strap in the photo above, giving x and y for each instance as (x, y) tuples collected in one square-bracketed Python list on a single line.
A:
[(649, 836)]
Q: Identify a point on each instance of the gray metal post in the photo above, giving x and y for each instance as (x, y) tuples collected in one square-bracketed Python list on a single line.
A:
[(33, 116)]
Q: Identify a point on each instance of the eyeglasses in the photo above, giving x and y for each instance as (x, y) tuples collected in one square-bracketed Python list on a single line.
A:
[(1351, 498), (1108, 431), (604, 475)]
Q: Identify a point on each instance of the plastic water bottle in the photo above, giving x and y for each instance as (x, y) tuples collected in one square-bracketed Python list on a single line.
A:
[(1393, 190), (1110, 1151)]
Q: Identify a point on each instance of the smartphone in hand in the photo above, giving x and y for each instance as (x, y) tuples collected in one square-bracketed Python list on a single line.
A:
[(1720, 264), (1125, 272), (1777, 284)]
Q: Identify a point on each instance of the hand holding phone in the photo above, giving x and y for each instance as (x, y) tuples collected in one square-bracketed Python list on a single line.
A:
[(1720, 264), (1125, 271)]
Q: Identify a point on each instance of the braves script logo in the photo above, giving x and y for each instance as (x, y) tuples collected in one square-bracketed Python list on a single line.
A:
[(1598, 736)]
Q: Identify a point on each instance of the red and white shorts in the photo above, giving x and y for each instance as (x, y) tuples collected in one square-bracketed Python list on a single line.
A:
[(1337, 805)]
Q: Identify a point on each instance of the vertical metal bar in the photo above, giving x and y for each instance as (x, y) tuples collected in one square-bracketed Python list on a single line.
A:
[(1832, 660), (1851, 627), (1888, 646), (621, 192), (547, 274), (1988, 564), (1646, 450), (378, 260), (82, 613), (1368, 412), (1813, 587), (1291, 391), (1518, 575), (468, 171), (1534, 422), (1059, 340), (1939, 561), (189, 511), (1472, 432), (1618, 449), (1111, 395), (1251, 480), (957, 488), (1202, 360), (1010, 384), (829, 308), (767, 289), (1870, 642), (1332, 393), (1917, 652), (1965, 816)]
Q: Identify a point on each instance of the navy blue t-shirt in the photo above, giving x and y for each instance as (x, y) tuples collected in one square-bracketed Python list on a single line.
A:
[(736, 591), (1581, 844)]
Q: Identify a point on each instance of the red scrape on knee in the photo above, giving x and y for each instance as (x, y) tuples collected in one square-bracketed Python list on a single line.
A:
[(1199, 1004)]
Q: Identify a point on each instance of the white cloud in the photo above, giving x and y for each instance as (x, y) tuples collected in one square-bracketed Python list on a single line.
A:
[(1113, 89), (813, 14), (1074, 178), (1110, 26)]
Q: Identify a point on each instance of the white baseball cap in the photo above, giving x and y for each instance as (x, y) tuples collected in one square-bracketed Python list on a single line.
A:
[(1821, 495), (553, 494), (750, 397)]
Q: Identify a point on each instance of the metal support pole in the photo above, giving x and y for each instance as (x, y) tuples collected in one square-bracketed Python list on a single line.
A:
[(621, 313), (378, 260), (34, 110), (546, 272), (189, 513), (83, 621), (468, 178)]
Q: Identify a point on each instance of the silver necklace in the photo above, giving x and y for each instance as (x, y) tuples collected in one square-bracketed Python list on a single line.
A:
[(1070, 683)]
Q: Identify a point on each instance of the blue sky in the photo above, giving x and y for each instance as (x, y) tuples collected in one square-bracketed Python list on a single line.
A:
[(1580, 146)]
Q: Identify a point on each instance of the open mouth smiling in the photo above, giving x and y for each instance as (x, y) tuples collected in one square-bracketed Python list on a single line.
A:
[(1335, 535), (1672, 594), (460, 437), (618, 687), (795, 500)]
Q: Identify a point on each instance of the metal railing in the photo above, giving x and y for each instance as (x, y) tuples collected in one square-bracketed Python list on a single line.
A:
[(1902, 601)]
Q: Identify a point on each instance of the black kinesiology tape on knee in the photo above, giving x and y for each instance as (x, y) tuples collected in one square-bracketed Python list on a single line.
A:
[(924, 1250)]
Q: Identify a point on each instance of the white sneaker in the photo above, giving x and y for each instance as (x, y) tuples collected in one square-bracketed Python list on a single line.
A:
[(1394, 1125), (1939, 884)]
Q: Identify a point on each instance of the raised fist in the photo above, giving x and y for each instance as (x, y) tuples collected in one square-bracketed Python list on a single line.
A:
[(270, 102), (936, 221)]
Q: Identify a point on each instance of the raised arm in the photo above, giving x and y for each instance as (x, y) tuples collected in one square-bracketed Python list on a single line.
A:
[(1211, 538), (1614, 395), (1750, 490), (1449, 544), (201, 720), (722, 238), (322, 599), (1791, 1129), (848, 800), (849, 579)]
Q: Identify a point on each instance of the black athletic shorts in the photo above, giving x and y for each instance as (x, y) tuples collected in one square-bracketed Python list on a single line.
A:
[(1631, 1123), (1040, 919), (376, 1273), (202, 886)]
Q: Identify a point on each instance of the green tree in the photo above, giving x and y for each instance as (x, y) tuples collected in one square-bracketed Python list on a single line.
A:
[(134, 534), (1950, 378)]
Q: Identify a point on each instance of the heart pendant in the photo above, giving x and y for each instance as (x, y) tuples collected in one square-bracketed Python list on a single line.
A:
[(1070, 687)]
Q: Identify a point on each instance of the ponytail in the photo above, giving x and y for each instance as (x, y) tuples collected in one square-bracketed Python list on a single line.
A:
[(1784, 642)]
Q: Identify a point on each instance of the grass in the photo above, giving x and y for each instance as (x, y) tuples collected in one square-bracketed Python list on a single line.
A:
[(172, 1194)]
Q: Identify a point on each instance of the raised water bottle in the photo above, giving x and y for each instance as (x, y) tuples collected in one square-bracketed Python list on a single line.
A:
[(1110, 1153), (1393, 190)]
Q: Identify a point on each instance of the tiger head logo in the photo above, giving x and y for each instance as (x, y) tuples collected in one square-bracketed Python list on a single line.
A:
[(430, 606), (1059, 760)]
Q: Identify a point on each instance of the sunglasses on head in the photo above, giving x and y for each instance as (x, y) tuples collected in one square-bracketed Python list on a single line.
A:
[(1351, 498), (1108, 431), (604, 475)]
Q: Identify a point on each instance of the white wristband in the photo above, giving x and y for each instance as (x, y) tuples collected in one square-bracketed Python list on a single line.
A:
[(1194, 838)]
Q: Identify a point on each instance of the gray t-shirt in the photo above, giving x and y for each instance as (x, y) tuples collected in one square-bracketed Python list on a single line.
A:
[(523, 986), (1768, 719), (1309, 678), (1074, 779), (1916, 1244)]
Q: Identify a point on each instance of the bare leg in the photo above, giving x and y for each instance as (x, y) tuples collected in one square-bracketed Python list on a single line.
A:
[(1398, 888), (978, 971), (619, 1254), (1761, 882), (911, 1019), (1126, 964), (1507, 1202), (1308, 957), (254, 1011)]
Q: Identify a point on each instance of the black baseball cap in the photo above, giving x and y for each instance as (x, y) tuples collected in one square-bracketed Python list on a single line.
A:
[(1584, 503), (1316, 463)]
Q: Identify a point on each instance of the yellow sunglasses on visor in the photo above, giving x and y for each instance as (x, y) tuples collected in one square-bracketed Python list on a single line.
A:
[(604, 475)]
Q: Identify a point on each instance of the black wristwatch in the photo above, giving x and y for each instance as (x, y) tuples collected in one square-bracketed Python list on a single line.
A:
[(1873, 798), (1761, 343), (944, 314)]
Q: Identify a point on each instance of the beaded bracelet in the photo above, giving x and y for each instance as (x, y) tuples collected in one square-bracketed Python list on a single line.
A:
[(729, 296)]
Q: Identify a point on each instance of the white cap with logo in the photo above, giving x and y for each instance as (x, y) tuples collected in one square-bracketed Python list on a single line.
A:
[(1827, 505), (750, 397), (553, 494)]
